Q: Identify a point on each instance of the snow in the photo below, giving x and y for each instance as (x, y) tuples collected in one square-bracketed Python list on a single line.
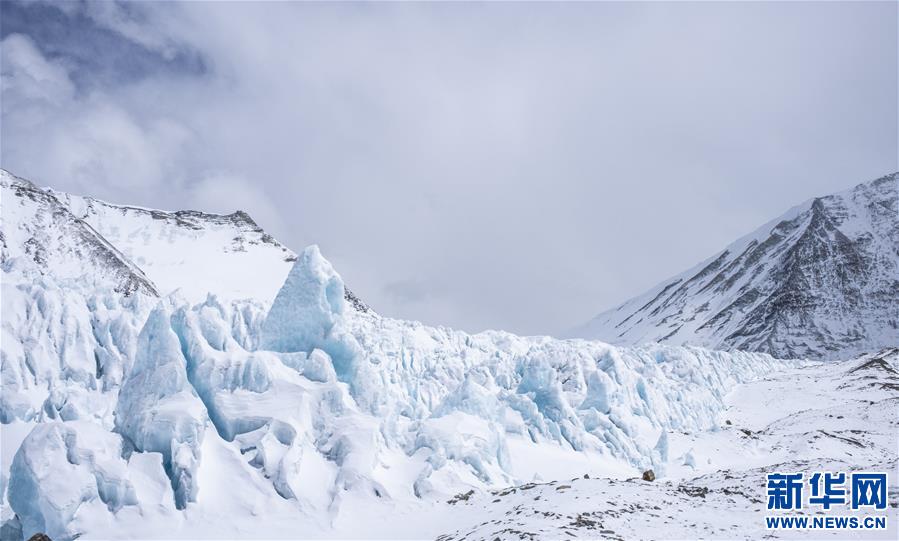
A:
[(407, 416), (61, 469), (158, 409), (843, 418), (818, 281), (188, 251), (126, 414), (41, 236)]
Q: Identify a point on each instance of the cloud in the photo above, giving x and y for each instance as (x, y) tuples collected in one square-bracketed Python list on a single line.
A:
[(27, 76), (526, 165), (224, 193), (408, 291), (89, 143), (104, 147), (131, 22)]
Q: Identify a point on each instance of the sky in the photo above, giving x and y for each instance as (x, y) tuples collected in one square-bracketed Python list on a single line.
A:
[(517, 166)]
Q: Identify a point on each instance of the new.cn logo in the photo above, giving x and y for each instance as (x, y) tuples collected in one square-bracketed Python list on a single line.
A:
[(860, 490)]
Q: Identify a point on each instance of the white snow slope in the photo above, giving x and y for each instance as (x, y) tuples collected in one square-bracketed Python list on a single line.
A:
[(190, 251), (40, 236), (820, 281), (823, 417), (129, 415)]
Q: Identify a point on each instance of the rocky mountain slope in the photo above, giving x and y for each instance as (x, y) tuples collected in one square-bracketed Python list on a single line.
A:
[(132, 406), (39, 236), (154, 250), (820, 281)]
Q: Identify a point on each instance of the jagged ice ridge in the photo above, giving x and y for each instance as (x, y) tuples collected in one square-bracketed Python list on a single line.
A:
[(333, 405)]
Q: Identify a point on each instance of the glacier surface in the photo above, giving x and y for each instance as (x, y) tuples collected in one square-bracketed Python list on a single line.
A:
[(311, 406)]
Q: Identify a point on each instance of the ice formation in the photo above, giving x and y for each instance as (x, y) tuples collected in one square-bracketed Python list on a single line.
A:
[(305, 317), (332, 404), (121, 408), (307, 306), (64, 349), (62, 468), (158, 409)]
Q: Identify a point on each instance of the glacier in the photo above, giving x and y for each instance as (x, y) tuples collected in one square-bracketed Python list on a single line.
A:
[(62, 469), (158, 409), (312, 406)]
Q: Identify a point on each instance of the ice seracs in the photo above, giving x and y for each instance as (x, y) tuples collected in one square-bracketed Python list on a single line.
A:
[(305, 317), (836, 416), (323, 408), (64, 347), (306, 307), (158, 409), (62, 470), (218, 416)]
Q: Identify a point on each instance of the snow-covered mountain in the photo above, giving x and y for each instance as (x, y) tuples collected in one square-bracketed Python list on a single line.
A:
[(40, 236), (820, 281), (189, 251), (133, 406)]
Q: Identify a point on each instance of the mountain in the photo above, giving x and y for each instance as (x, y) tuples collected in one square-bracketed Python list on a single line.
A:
[(193, 252), (146, 390), (820, 281), (133, 405), (40, 236)]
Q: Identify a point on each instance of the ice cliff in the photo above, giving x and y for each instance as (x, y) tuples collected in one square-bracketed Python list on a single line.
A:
[(158, 409), (319, 404), (134, 400)]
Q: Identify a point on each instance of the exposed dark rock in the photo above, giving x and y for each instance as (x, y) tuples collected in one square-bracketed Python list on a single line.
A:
[(463, 497), (695, 492), (820, 282), (355, 301), (58, 235)]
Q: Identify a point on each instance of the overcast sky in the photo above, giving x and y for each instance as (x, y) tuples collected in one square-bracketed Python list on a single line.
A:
[(520, 166)]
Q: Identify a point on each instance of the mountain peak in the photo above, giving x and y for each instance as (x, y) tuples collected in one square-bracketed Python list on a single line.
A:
[(41, 237), (155, 251), (821, 280)]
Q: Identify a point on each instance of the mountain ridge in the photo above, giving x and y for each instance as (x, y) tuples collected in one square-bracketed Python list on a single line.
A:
[(821, 280), (32, 245), (125, 413), (185, 249)]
